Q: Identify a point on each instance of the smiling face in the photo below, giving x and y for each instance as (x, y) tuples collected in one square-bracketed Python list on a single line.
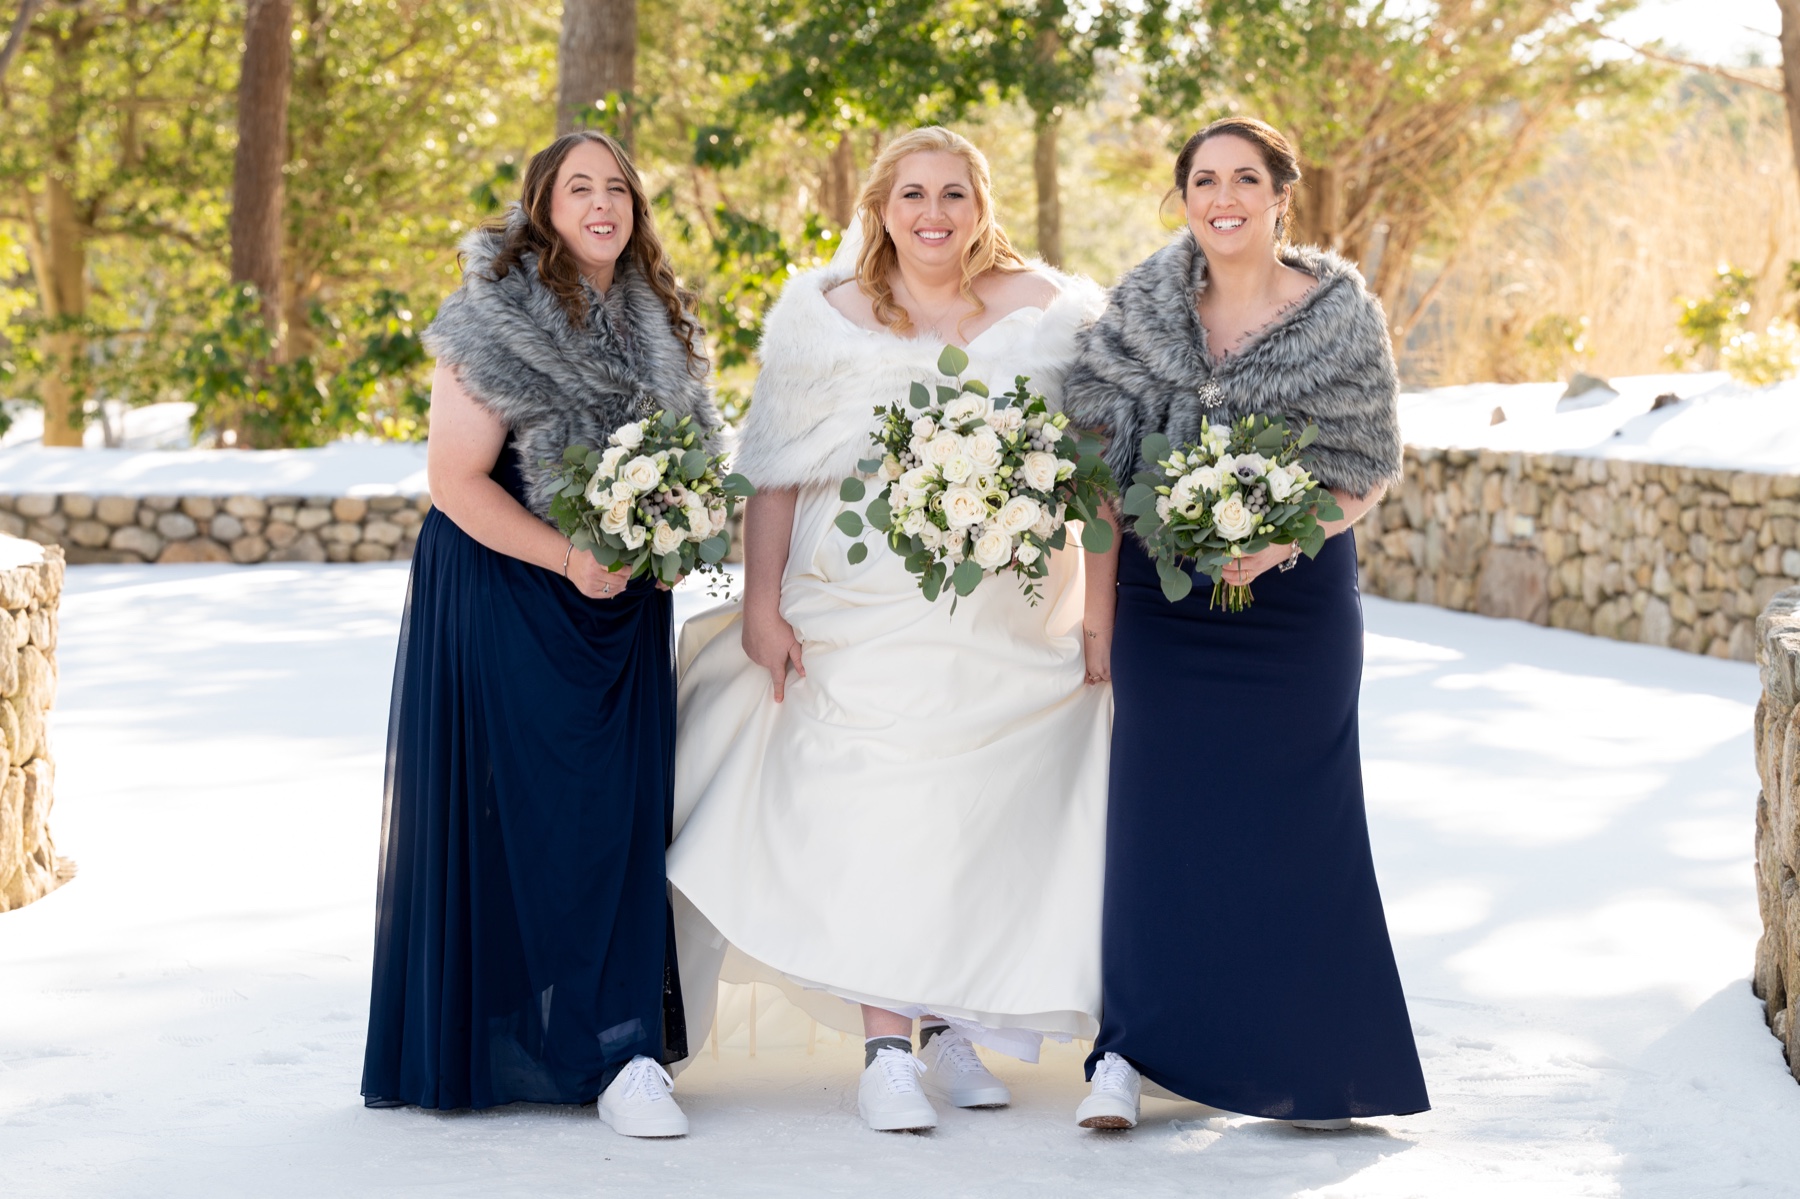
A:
[(931, 212), (1232, 203), (591, 210)]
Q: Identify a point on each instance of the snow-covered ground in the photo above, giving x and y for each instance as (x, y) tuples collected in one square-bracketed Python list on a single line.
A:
[(1717, 423), (355, 468), (1562, 826)]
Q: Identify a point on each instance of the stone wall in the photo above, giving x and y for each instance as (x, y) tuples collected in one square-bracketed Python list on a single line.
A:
[(29, 595), (223, 528), (1679, 556), (1777, 979)]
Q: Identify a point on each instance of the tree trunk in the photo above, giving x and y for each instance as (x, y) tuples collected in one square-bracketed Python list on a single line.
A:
[(1049, 191), (15, 37), (596, 56), (61, 260), (1790, 71), (838, 196), (262, 119), (1318, 214)]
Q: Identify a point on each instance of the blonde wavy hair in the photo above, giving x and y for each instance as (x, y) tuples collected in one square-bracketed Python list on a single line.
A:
[(989, 248)]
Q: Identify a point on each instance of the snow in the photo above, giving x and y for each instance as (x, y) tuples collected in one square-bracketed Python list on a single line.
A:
[(353, 468), (1718, 423), (16, 551), (1562, 827), (164, 426)]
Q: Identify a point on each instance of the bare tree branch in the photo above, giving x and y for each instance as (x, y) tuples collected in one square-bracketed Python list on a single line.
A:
[(27, 10), (1767, 85)]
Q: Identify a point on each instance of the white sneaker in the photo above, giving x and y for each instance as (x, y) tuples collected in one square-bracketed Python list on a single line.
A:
[(889, 1096), (1114, 1100), (1320, 1125), (954, 1073), (640, 1102)]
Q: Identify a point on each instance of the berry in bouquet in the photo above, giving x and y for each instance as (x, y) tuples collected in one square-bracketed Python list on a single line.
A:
[(653, 501), (974, 485), (1243, 488)]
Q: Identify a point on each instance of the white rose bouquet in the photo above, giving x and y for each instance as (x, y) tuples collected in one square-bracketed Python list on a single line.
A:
[(972, 484), (1240, 490), (653, 500)]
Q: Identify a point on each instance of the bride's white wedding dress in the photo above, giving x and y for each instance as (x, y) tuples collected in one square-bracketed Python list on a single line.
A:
[(920, 825)]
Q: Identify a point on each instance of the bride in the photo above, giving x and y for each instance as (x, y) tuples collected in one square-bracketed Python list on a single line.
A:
[(888, 804)]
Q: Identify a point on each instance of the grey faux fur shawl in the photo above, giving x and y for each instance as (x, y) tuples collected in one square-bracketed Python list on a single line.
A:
[(555, 385), (1326, 360)]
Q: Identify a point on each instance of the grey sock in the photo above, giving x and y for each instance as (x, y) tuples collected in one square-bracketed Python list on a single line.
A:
[(875, 1045), (928, 1031)]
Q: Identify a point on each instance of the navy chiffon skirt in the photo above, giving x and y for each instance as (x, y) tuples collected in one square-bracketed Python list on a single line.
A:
[(524, 945), (1246, 960)]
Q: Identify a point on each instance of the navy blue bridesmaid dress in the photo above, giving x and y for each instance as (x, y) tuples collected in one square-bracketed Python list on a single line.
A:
[(524, 944), (1246, 960)]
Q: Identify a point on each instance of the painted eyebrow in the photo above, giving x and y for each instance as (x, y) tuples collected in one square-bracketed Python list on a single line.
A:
[(590, 179), (922, 187), (1234, 171)]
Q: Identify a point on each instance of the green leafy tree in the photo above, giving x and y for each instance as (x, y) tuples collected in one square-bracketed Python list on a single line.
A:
[(115, 150), (1411, 119), (839, 66)]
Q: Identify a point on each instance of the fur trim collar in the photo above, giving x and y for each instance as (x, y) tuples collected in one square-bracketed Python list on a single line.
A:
[(823, 375), (1327, 360), (555, 385)]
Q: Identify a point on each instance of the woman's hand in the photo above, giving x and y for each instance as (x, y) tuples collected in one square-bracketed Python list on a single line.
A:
[(770, 642), (594, 580), (1243, 571), (1096, 653)]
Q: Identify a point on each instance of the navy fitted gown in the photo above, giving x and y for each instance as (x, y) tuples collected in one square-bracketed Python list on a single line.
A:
[(1246, 960), (523, 946)]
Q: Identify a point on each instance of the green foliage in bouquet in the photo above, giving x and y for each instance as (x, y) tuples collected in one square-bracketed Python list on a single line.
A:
[(653, 500), (974, 484), (1239, 491)]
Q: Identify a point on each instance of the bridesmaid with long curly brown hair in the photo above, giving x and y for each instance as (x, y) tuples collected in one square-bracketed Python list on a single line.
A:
[(523, 936)]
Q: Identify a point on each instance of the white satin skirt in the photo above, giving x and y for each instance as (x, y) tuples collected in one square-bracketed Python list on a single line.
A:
[(920, 825)]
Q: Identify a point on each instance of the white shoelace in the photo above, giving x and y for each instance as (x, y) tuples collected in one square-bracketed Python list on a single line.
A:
[(641, 1077), (1113, 1073), (900, 1070), (955, 1051)]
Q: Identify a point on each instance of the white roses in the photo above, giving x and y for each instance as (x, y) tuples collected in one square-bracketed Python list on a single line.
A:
[(641, 474), (941, 448), (1039, 469), (993, 548), (629, 436), (963, 507), (1018, 515), (967, 407), (1281, 484), (1233, 520), (666, 539), (983, 449)]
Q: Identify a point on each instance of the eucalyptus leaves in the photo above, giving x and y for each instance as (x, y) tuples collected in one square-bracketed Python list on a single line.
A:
[(1239, 491), (973, 484), (653, 500)]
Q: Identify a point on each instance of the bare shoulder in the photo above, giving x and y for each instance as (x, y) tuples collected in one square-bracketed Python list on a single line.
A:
[(849, 299), (1295, 284), (1018, 289)]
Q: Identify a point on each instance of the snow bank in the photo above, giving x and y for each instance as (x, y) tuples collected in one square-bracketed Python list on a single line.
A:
[(167, 426), (1718, 423), (361, 469)]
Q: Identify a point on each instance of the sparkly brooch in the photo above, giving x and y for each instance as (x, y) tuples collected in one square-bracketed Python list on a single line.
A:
[(1211, 395)]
